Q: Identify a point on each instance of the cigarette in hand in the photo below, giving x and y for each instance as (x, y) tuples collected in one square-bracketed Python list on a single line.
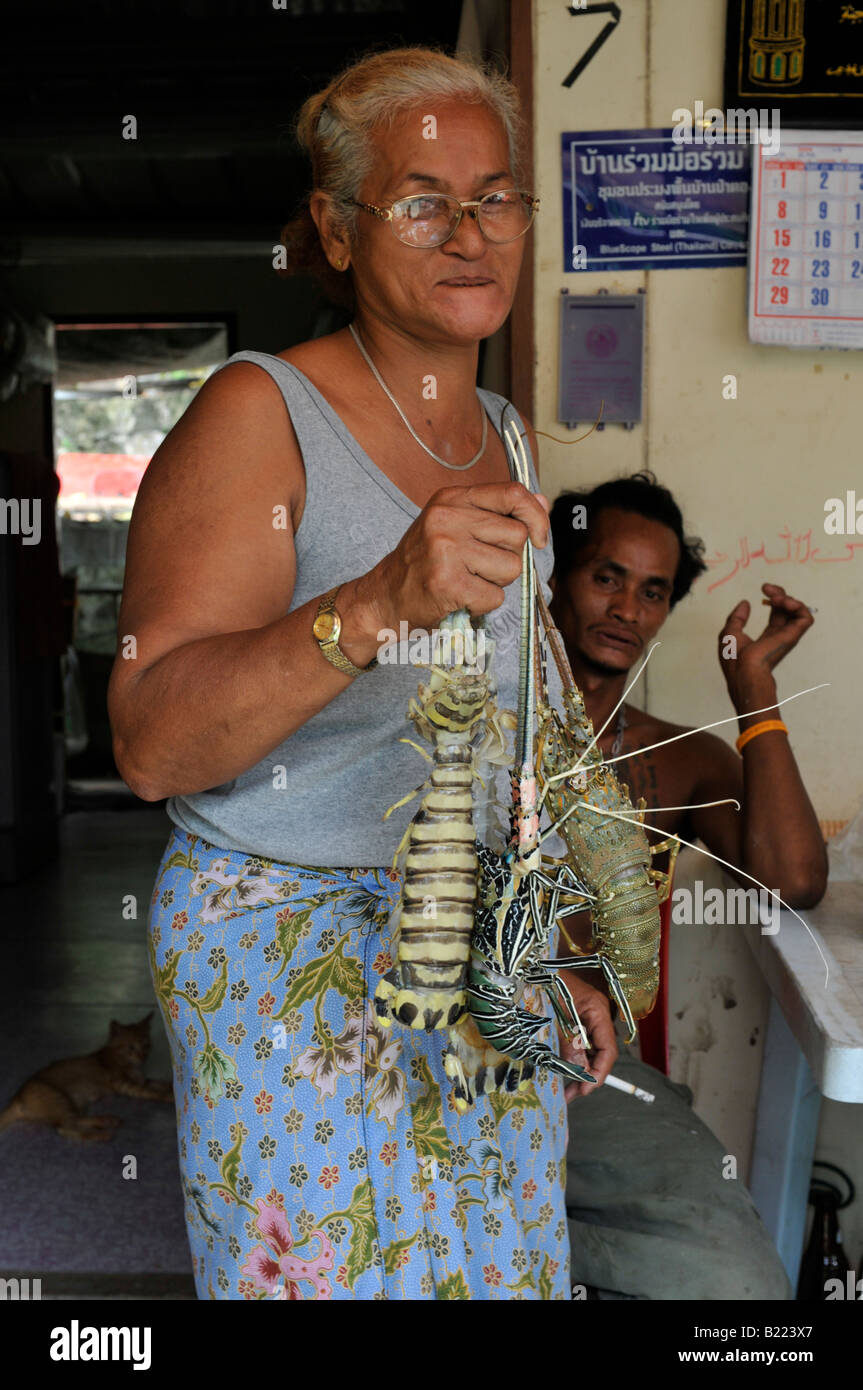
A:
[(617, 1085)]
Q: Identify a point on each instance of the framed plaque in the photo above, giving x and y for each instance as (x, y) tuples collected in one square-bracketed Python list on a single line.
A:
[(601, 358), (802, 58)]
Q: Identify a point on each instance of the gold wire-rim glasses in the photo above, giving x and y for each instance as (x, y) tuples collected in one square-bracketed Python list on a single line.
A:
[(387, 214)]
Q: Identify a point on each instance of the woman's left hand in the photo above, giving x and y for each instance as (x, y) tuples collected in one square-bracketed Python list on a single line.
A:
[(594, 1011)]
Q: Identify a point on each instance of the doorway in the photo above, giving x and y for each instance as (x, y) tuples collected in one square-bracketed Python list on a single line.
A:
[(120, 387)]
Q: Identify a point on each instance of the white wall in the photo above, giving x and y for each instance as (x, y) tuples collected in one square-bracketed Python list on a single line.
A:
[(744, 467)]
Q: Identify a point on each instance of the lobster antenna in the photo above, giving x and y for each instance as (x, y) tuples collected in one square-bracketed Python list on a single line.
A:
[(731, 720), (518, 467), (570, 772), (553, 637), (733, 867), (550, 634), (568, 681), (540, 659), (646, 810), (597, 736)]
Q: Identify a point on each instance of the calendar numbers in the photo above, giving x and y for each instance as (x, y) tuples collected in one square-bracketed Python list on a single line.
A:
[(785, 179), (822, 212), (808, 252)]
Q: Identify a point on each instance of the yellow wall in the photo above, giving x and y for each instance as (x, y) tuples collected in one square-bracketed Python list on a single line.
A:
[(745, 467)]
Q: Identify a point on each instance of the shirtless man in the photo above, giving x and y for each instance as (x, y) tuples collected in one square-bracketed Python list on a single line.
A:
[(615, 583), (649, 1211)]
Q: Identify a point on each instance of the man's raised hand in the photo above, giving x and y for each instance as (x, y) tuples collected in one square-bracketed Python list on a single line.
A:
[(748, 662)]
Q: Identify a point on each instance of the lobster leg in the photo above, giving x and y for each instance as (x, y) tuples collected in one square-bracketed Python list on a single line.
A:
[(477, 1068), (598, 962), (562, 1003), (513, 926), (512, 1030), (663, 879)]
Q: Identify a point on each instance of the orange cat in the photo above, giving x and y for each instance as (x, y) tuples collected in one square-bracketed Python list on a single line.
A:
[(58, 1094)]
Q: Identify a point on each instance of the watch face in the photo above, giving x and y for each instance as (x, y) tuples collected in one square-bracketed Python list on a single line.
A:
[(326, 627)]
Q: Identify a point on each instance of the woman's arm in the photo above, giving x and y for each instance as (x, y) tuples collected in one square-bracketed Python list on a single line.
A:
[(210, 674)]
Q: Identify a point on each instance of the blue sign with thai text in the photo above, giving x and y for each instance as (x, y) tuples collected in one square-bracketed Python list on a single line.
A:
[(638, 200)]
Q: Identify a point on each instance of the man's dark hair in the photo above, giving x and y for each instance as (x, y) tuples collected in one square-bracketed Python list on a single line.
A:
[(639, 493)]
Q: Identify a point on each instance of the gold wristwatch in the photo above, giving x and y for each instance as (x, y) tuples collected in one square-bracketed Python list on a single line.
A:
[(327, 628)]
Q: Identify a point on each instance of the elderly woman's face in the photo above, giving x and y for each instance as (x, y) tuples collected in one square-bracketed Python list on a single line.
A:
[(424, 289)]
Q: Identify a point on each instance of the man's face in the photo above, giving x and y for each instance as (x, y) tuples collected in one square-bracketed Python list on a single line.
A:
[(616, 598)]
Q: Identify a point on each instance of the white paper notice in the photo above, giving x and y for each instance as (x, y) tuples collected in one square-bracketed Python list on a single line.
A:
[(806, 241)]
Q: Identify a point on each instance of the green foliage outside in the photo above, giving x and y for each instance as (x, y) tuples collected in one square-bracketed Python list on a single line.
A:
[(118, 424)]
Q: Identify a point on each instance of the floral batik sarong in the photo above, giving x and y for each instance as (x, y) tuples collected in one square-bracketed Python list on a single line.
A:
[(320, 1155)]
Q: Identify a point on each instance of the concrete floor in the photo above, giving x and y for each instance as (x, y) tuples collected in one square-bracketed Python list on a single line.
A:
[(72, 962)]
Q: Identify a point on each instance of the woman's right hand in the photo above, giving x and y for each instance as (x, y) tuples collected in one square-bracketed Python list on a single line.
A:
[(462, 551)]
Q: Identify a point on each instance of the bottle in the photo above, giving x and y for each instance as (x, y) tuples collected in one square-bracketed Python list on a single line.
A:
[(824, 1258)]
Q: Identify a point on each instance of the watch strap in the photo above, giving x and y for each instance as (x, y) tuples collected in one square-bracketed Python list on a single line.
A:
[(330, 647)]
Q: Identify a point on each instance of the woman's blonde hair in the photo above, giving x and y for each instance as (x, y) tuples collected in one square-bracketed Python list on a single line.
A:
[(334, 128)]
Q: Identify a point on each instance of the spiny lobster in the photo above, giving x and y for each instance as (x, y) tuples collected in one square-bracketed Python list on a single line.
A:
[(476, 927), (426, 987)]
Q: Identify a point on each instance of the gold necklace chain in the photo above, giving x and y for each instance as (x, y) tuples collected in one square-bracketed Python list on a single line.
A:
[(456, 467)]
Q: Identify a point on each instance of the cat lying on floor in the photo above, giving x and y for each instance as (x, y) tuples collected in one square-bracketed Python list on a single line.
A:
[(58, 1094)]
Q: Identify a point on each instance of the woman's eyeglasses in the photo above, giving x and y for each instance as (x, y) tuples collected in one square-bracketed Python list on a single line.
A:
[(430, 219)]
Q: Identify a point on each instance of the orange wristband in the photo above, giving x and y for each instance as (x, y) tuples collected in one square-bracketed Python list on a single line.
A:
[(763, 728)]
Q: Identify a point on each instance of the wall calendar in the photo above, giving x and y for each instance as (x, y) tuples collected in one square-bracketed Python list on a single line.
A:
[(806, 241)]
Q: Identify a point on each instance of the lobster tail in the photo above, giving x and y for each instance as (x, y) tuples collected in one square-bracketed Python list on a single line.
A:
[(426, 987), (610, 855)]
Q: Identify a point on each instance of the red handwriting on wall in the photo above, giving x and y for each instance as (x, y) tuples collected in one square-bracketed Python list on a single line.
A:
[(787, 549)]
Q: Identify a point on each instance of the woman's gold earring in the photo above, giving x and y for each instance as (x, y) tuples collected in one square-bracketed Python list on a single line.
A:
[(339, 264)]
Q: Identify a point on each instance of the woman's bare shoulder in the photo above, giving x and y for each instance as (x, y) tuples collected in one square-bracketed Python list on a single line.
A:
[(237, 417), (334, 367), (320, 357), (238, 392)]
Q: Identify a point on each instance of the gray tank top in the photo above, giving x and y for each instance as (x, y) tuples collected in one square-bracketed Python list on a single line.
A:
[(319, 798)]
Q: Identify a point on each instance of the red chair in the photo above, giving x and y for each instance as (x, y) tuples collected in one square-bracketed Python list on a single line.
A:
[(653, 1030)]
